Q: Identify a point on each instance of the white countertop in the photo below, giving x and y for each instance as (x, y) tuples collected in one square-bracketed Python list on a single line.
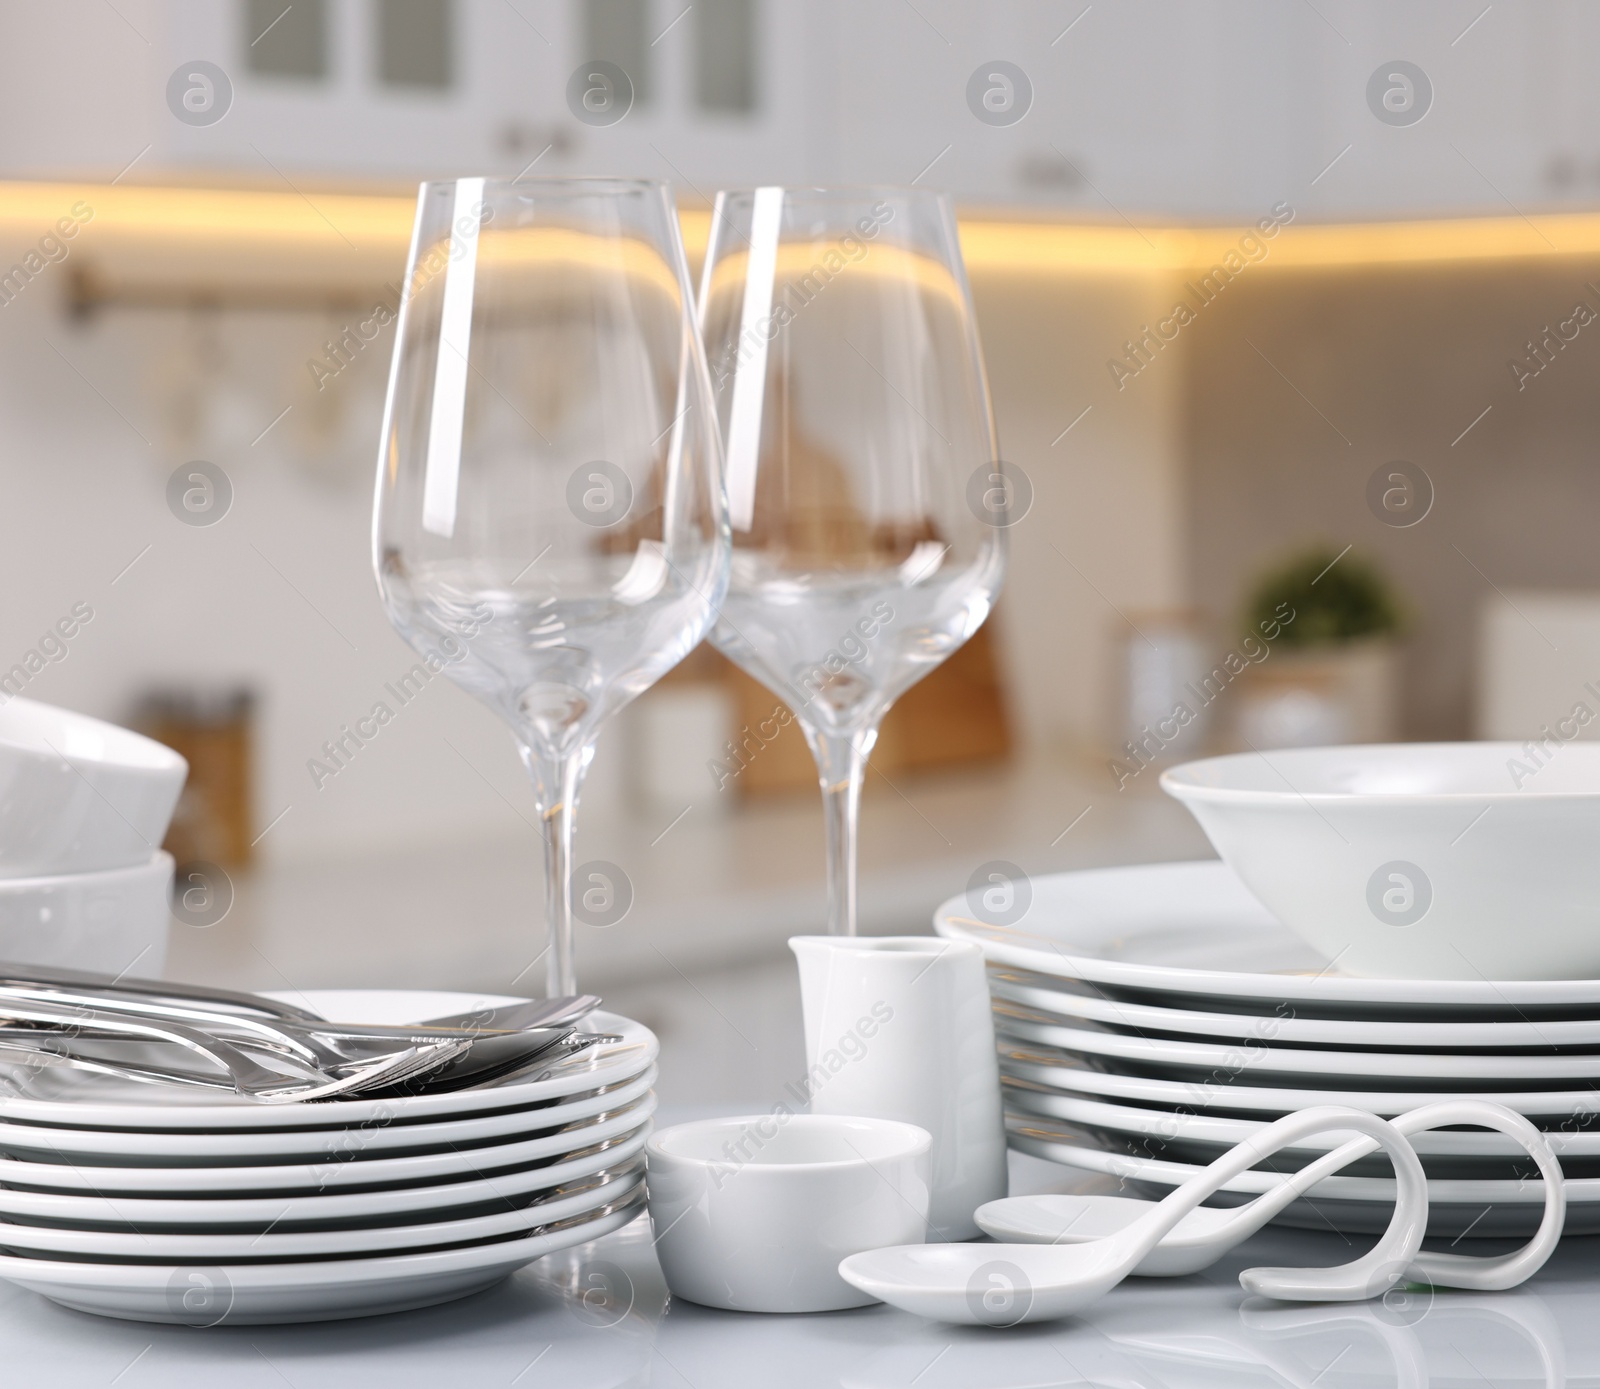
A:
[(534, 1330), (701, 956), (714, 883)]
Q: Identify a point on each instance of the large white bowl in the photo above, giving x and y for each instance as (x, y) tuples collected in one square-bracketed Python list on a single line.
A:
[(78, 795), (1417, 861), (115, 921)]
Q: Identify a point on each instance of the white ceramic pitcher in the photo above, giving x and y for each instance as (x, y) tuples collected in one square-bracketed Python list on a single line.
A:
[(898, 1027)]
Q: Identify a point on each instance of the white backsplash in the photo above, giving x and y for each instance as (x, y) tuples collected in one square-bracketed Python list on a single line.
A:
[(278, 594)]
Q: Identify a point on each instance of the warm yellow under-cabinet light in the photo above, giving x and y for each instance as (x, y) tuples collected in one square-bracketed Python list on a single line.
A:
[(364, 233)]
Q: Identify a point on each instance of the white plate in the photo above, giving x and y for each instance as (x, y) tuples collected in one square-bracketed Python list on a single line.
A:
[(58, 1096), (306, 1179), (364, 1142), (1468, 1069), (121, 1246), (1098, 1114), (1581, 1107), (285, 1213), (1067, 999), (268, 1294), (1195, 929)]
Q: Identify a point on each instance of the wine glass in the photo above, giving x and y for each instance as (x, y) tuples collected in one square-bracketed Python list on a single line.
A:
[(865, 492), (549, 528)]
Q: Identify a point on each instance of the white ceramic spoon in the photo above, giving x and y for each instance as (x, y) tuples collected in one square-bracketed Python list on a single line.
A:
[(1003, 1284), (1206, 1234)]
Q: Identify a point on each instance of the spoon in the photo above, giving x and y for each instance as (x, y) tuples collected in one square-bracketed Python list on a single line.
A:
[(1003, 1284), (1206, 1234)]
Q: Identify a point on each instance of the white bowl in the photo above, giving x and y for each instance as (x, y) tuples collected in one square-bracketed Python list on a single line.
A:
[(78, 795), (755, 1214), (115, 921), (1417, 861)]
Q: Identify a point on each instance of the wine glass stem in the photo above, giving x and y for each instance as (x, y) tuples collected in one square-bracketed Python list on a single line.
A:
[(555, 788), (842, 766)]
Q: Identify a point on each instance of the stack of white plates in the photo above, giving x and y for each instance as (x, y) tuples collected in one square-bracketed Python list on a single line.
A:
[(1150, 1018), (136, 1201)]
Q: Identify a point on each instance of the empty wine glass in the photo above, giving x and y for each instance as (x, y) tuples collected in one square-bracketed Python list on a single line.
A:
[(549, 529), (864, 486)]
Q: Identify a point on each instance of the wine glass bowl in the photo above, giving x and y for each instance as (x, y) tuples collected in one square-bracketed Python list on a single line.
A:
[(855, 414), (549, 527)]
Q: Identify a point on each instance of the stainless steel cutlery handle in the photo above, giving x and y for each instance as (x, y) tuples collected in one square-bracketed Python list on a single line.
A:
[(57, 1022), (73, 979)]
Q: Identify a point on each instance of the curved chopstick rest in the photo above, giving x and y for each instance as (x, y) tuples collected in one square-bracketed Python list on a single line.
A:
[(1499, 1272), (1381, 1267), (1361, 1278), (1475, 1272), (1491, 1274)]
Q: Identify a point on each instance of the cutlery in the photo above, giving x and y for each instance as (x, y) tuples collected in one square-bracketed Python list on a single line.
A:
[(320, 1045), (434, 1065), (488, 1058), (55, 1026), (36, 1056), (436, 1056), (509, 1016), (516, 1017), (1003, 1284), (1206, 1234), (53, 1054), (29, 976), (54, 1032)]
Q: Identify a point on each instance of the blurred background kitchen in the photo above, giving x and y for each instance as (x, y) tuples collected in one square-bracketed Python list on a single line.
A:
[(1286, 307)]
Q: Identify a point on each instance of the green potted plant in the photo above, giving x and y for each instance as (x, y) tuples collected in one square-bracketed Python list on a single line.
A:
[(1332, 672)]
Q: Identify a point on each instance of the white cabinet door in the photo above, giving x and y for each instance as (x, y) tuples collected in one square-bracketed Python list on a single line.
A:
[(1208, 110), (511, 105)]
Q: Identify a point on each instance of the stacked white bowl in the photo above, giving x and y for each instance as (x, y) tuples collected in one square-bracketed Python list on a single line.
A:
[(157, 1204), (84, 806)]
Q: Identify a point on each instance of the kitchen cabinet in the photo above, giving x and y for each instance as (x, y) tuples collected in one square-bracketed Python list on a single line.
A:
[(1120, 109)]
